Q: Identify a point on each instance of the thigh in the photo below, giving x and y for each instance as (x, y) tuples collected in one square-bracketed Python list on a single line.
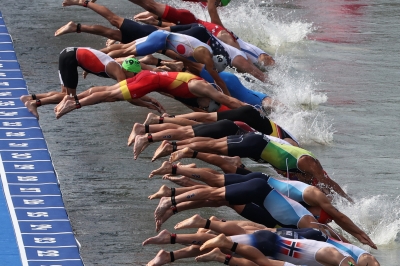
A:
[(67, 67)]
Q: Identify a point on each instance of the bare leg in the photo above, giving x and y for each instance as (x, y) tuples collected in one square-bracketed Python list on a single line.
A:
[(196, 221), (164, 237), (196, 173), (217, 255), (216, 146), (68, 105), (182, 181), (200, 117), (246, 251), (100, 30), (205, 193), (155, 119), (151, 6)]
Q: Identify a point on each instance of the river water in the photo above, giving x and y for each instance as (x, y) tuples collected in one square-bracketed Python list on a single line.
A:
[(337, 70)]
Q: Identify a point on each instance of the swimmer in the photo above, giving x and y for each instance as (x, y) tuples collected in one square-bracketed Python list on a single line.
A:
[(91, 61), (187, 88)]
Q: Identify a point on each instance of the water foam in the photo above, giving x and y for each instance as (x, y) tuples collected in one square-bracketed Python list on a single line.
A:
[(282, 37), (378, 216)]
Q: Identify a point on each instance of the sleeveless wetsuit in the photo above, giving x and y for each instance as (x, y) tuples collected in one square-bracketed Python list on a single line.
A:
[(131, 30), (296, 251), (315, 234), (353, 250), (285, 211), (236, 88), (219, 47), (253, 118), (259, 147), (181, 44), (174, 83), (90, 60), (216, 130)]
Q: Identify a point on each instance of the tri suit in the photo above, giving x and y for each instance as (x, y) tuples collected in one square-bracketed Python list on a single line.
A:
[(90, 60)]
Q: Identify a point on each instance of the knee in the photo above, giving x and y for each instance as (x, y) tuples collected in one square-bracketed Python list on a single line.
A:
[(116, 21)]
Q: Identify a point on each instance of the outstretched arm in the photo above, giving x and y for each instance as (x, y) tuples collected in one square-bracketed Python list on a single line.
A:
[(221, 98), (212, 10), (342, 220)]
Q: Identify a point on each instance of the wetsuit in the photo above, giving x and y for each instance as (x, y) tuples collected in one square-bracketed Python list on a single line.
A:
[(315, 234), (219, 47), (236, 88), (218, 129), (173, 83), (181, 44), (253, 118), (296, 251), (283, 211), (131, 30), (259, 147), (90, 60), (183, 17), (291, 189)]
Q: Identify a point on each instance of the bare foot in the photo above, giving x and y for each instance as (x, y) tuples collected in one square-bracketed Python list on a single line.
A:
[(164, 149), (164, 237), (165, 168), (138, 129), (182, 181), (162, 257), (164, 191), (213, 255), (196, 221), (219, 241), (163, 206), (31, 105), (141, 143), (184, 153), (62, 103), (235, 160), (67, 28), (151, 119), (73, 3), (25, 98), (68, 106)]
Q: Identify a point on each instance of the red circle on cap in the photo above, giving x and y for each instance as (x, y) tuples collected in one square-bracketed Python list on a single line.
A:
[(181, 49)]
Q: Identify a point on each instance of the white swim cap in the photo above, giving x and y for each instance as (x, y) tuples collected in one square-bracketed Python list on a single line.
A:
[(220, 62)]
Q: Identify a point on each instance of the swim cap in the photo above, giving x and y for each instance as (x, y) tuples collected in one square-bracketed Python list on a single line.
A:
[(220, 62), (131, 65), (225, 2)]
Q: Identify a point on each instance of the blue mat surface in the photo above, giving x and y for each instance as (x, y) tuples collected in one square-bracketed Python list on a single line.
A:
[(35, 225)]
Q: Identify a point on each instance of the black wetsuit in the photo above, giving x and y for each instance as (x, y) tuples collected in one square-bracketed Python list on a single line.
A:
[(251, 116), (131, 30), (217, 129)]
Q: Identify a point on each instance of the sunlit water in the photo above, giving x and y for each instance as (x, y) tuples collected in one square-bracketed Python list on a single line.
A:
[(337, 72)]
